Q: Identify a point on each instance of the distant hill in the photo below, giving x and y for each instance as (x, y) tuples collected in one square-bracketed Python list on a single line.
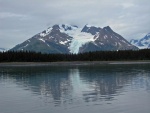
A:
[(2, 49)]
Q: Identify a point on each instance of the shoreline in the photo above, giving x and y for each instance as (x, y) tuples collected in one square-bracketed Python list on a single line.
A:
[(74, 63)]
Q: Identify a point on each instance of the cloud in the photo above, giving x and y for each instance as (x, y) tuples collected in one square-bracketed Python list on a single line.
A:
[(11, 15), (127, 5), (21, 19)]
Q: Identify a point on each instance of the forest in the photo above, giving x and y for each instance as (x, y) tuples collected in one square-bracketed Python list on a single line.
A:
[(30, 56)]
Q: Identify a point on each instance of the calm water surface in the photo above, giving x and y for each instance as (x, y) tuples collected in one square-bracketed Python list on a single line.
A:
[(77, 89)]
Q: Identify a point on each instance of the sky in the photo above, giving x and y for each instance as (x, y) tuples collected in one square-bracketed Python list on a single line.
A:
[(22, 19)]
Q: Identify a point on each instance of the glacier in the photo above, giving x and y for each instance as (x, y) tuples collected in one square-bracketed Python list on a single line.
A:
[(79, 38)]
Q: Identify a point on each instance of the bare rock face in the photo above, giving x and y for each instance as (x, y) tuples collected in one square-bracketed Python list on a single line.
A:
[(71, 39)]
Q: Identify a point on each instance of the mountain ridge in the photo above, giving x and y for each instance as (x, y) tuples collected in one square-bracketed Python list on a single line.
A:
[(65, 38), (3, 49), (142, 43)]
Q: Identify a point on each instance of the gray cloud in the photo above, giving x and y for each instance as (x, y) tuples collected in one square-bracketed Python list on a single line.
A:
[(21, 19)]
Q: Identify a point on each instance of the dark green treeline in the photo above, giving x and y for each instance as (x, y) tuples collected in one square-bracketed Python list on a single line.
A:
[(28, 56)]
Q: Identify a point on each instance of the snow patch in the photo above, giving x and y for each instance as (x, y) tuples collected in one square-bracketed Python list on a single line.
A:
[(123, 41), (116, 44), (46, 32), (96, 37), (49, 30), (63, 43), (105, 36), (95, 43), (42, 40), (51, 37), (42, 34), (26, 45), (119, 43), (117, 37), (48, 45), (68, 40), (101, 43)]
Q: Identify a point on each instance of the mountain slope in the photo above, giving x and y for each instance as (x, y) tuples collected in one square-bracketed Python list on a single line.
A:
[(106, 39), (71, 39), (51, 40), (143, 42), (2, 49)]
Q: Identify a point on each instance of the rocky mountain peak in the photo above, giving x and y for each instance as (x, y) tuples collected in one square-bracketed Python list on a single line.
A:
[(67, 27), (107, 28), (91, 29), (56, 27)]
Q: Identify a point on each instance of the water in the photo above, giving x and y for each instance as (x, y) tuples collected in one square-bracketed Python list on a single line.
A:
[(77, 89)]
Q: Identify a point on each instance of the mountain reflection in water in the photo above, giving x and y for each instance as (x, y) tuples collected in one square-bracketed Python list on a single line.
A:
[(78, 85)]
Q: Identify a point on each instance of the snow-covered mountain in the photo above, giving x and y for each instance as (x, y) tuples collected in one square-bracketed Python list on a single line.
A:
[(142, 43), (106, 39), (66, 38)]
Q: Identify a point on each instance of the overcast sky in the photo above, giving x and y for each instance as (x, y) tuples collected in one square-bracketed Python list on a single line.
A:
[(21, 19)]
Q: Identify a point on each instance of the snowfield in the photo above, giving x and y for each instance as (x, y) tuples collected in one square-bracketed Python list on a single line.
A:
[(79, 38)]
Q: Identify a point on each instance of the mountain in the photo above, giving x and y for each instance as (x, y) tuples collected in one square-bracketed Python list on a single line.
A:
[(66, 38), (106, 39), (52, 40), (142, 43), (2, 49)]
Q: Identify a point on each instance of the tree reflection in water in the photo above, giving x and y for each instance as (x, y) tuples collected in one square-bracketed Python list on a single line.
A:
[(78, 84)]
